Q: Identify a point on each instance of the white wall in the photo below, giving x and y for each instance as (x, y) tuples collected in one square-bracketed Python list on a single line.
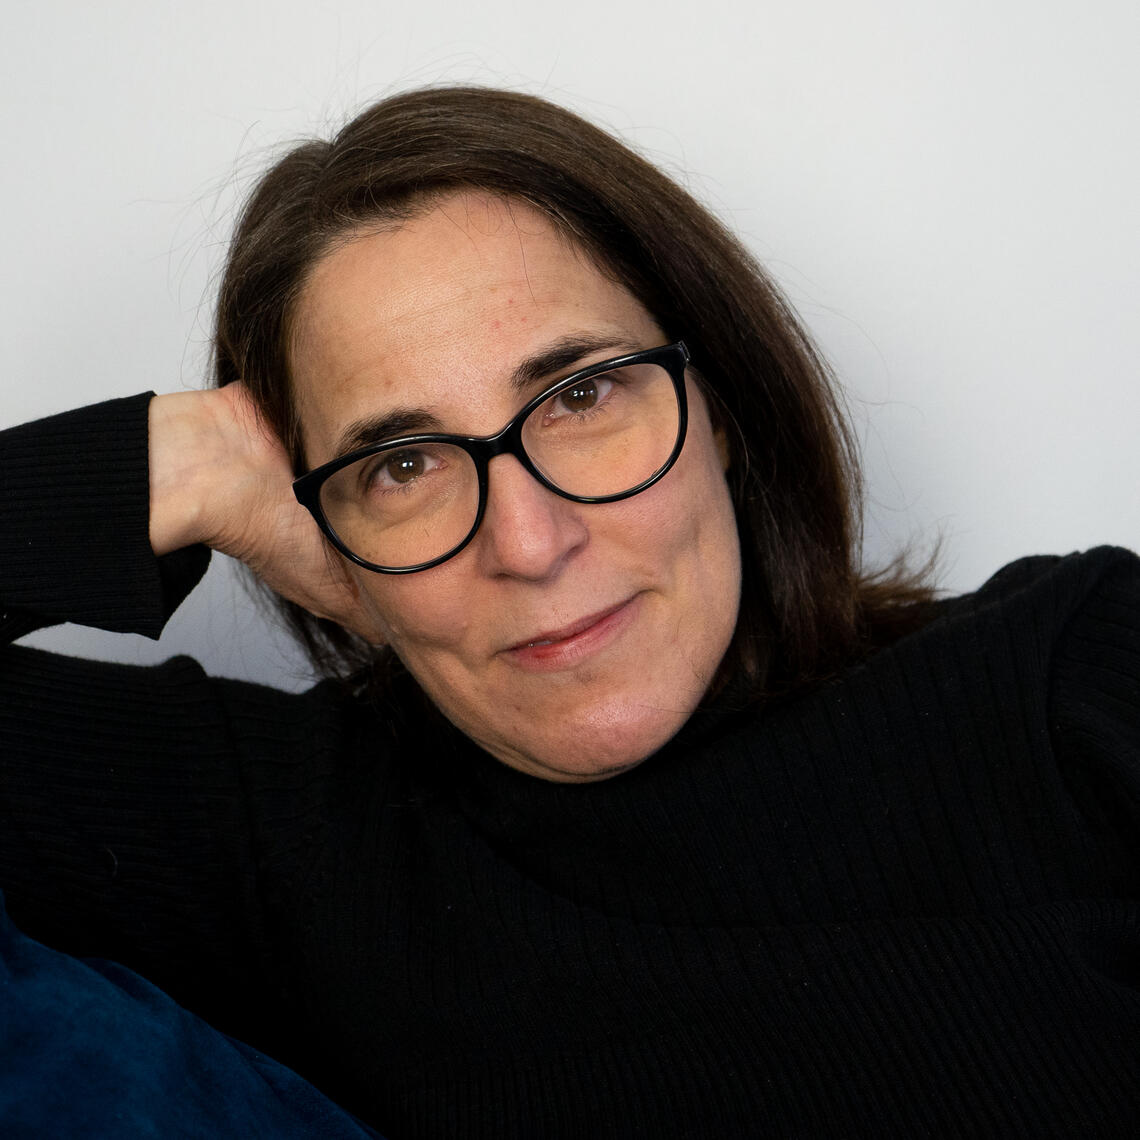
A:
[(948, 192)]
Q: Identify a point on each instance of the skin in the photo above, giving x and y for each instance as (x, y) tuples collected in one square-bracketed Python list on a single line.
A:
[(436, 314)]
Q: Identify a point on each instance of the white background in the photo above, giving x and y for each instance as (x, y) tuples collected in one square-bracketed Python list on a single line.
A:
[(948, 193)]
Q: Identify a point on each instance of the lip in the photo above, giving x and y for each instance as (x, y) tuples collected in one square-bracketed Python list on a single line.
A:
[(566, 646)]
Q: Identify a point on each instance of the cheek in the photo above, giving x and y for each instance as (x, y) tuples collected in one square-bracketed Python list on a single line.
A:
[(706, 545), (680, 537), (701, 504), (416, 612)]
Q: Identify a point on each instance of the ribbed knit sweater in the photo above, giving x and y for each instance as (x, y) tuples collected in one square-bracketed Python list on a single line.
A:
[(903, 904)]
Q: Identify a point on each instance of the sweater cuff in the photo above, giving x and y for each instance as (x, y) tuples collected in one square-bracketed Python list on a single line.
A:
[(74, 525)]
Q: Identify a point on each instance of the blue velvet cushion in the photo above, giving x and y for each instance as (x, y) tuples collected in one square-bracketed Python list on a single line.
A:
[(90, 1049)]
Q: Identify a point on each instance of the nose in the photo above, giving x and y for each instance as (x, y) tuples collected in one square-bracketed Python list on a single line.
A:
[(527, 531)]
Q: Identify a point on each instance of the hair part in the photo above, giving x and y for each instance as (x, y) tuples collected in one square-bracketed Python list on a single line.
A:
[(807, 608)]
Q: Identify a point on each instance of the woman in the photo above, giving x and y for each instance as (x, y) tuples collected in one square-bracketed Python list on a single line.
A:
[(641, 811)]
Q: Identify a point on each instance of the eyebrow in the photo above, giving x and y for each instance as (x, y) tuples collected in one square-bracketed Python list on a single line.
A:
[(555, 357)]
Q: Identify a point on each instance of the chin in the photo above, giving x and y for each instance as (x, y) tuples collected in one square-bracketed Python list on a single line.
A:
[(606, 746)]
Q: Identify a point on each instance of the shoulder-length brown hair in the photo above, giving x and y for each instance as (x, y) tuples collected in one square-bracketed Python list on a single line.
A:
[(806, 608)]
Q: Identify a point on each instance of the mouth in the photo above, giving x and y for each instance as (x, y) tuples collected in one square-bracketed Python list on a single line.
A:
[(558, 648)]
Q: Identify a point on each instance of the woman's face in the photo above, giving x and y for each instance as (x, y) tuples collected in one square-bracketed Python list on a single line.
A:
[(569, 640)]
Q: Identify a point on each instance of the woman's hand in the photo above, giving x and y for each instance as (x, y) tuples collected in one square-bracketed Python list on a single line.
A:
[(220, 477)]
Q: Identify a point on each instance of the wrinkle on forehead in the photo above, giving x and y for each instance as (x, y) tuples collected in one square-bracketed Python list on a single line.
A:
[(473, 213)]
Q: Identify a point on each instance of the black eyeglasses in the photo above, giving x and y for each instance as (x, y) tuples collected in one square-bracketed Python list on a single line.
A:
[(603, 434)]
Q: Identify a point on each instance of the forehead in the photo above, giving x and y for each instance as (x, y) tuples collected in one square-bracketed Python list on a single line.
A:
[(420, 315)]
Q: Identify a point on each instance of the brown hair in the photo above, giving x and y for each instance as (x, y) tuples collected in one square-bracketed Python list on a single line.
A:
[(806, 608)]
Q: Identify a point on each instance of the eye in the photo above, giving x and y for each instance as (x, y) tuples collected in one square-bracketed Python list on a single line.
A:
[(582, 397), (404, 466), (395, 470)]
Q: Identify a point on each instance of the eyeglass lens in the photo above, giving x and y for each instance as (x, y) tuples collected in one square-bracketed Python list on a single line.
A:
[(597, 437)]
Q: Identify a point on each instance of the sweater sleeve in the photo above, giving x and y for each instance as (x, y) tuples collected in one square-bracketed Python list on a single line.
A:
[(74, 519), (1095, 710), (125, 821)]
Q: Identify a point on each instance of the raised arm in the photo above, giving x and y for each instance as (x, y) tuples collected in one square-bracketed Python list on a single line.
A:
[(78, 524)]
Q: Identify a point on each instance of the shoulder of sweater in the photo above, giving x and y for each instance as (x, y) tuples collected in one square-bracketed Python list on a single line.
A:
[(1081, 568), (1051, 587)]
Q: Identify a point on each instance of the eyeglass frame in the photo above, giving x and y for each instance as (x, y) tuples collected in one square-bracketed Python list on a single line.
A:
[(673, 358)]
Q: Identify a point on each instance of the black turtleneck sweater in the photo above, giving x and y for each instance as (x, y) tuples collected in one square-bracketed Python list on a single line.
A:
[(906, 903)]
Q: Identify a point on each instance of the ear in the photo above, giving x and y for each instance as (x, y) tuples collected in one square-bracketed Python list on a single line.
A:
[(722, 449), (354, 609), (367, 623)]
